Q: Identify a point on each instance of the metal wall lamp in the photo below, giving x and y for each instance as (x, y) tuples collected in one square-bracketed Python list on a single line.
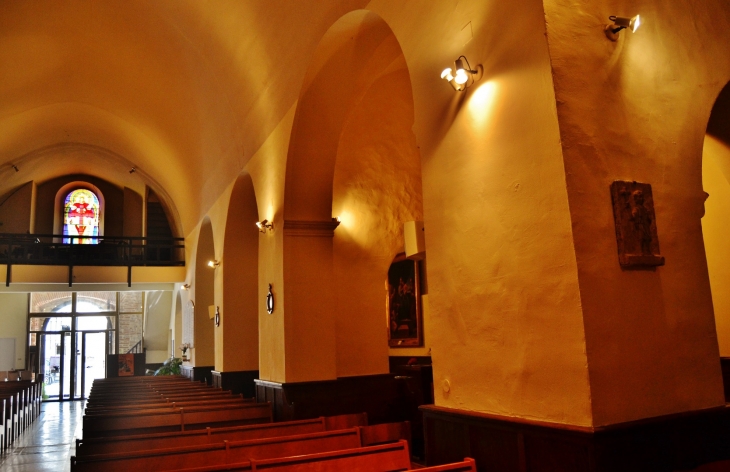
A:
[(620, 23), (264, 225), (460, 77)]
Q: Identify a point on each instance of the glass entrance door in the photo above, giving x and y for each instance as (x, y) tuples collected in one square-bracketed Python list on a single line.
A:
[(72, 334), (90, 360), (56, 365)]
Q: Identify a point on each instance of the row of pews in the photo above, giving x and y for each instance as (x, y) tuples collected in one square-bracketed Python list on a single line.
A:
[(171, 423), (20, 401)]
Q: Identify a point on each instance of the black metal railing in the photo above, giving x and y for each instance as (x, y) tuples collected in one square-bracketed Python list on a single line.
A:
[(54, 249), (136, 349)]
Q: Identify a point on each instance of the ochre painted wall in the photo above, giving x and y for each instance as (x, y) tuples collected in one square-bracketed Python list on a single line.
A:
[(14, 323), (503, 288), (715, 231), (16, 209), (133, 213), (203, 352), (239, 320), (377, 188), (157, 325), (637, 110), (268, 168)]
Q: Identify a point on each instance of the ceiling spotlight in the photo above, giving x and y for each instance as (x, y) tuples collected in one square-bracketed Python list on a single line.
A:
[(264, 225), (186, 287), (15, 167), (213, 264), (133, 170), (620, 23), (460, 77)]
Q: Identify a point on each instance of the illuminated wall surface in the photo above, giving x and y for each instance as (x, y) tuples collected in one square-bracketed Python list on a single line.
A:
[(81, 217), (300, 111)]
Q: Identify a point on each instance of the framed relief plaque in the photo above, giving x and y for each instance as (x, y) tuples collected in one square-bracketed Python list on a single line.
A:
[(635, 220)]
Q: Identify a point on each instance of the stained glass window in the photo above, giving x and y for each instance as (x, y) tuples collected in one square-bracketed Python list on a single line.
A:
[(81, 217)]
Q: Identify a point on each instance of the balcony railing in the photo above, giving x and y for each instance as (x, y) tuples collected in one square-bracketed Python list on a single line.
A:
[(54, 249)]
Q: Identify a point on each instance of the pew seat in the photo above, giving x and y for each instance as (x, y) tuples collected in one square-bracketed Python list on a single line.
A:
[(180, 419)]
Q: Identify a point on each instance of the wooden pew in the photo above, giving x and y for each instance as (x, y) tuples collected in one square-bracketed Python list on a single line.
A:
[(383, 458), (180, 419), (130, 444), (225, 452), (468, 465), (12, 429), (185, 403), (151, 395), (158, 399), (22, 401), (3, 423)]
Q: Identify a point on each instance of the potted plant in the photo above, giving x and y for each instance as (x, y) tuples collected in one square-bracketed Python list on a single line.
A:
[(170, 367)]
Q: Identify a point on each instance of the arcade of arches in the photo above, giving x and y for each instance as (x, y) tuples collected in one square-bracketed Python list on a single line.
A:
[(328, 120)]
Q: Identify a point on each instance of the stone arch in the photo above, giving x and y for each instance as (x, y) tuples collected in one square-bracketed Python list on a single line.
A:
[(238, 332), (715, 222), (204, 338), (341, 152)]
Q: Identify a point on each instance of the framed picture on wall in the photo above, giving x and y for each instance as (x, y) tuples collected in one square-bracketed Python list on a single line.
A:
[(403, 303)]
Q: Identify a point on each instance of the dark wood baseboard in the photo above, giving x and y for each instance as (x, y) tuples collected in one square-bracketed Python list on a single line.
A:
[(668, 443), (380, 396), (241, 381), (198, 373), (725, 366)]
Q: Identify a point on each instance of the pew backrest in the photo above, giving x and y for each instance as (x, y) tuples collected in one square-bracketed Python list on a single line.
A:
[(468, 465), (382, 458), (220, 453), (106, 445)]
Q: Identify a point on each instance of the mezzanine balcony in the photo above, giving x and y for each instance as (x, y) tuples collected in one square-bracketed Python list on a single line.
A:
[(112, 255)]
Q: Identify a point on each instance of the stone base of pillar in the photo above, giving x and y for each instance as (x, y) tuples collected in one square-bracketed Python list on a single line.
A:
[(238, 382), (674, 442)]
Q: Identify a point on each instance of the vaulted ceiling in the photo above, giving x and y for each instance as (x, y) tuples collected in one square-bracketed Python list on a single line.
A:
[(184, 91)]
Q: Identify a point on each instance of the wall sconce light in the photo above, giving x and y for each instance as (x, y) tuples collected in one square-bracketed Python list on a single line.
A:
[(620, 23), (213, 264), (264, 225), (461, 77), (270, 301), (185, 287)]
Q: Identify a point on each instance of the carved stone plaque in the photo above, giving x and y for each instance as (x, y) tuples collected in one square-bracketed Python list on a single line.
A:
[(636, 234)]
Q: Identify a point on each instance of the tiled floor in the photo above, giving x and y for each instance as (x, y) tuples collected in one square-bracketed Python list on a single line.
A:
[(49, 443)]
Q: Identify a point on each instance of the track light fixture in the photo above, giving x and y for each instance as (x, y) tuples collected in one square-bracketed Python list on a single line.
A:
[(213, 264), (186, 287), (264, 225), (133, 170), (460, 77), (15, 167), (620, 23)]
